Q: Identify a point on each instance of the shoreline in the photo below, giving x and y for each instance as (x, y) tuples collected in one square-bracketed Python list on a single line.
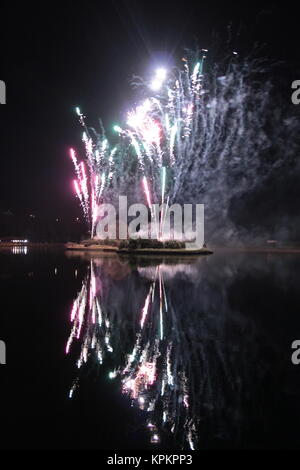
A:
[(148, 251)]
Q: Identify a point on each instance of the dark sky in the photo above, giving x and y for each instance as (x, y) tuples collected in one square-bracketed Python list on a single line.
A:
[(55, 56)]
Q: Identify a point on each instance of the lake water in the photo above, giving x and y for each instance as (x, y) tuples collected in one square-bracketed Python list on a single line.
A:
[(113, 353)]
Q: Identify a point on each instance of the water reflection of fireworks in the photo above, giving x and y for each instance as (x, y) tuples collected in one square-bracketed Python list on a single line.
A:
[(148, 374), (175, 347)]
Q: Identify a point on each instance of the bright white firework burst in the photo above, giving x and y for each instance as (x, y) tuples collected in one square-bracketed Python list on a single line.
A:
[(159, 128)]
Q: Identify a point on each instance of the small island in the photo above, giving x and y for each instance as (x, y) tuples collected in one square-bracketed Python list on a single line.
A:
[(138, 246)]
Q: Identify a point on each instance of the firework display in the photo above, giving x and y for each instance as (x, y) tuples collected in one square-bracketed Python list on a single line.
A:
[(196, 129), (158, 131)]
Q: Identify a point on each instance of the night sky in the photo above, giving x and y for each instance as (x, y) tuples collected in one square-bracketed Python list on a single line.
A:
[(54, 57)]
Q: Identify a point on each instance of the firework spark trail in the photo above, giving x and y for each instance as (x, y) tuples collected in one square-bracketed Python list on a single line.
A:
[(75, 163), (96, 174), (150, 205), (165, 215), (78, 192), (163, 188), (147, 192)]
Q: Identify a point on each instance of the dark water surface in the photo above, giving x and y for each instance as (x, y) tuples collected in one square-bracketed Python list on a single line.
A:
[(116, 354)]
